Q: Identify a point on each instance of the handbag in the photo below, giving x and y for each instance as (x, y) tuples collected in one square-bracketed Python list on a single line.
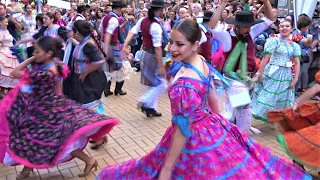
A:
[(238, 93)]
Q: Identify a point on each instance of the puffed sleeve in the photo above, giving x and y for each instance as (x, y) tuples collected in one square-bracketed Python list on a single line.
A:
[(296, 50), (271, 45), (184, 101), (93, 53)]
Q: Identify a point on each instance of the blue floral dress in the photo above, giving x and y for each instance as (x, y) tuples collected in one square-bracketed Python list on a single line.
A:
[(273, 92)]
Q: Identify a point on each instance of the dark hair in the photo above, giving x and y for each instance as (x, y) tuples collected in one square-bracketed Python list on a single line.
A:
[(190, 29), (287, 20), (303, 21), (2, 18), (101, 10), (5, 7), (82, 27), (85, 30), (51, 16), (48, 43), (82, 8), (25, 6), (151, 11), (39, 17)]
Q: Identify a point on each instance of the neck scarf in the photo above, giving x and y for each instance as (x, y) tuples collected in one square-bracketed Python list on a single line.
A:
[(239, 51)]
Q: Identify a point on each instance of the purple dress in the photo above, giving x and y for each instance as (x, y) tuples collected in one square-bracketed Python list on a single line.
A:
[(214, 149), (40, 127)]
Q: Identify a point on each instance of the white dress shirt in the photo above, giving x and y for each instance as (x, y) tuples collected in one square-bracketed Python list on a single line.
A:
[(112, 25), (155, 31)]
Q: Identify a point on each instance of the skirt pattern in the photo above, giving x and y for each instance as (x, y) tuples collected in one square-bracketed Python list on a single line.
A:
[(40, 128), (7, 63), (273, 93), (300, 133), (216, 150), (124, 73), (149, 70)]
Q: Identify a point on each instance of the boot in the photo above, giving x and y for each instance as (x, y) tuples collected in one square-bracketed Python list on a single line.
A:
[(118, 89), (107, 91), (150, 112)]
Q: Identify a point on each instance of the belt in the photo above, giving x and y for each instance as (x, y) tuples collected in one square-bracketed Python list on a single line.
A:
[(149, 50)]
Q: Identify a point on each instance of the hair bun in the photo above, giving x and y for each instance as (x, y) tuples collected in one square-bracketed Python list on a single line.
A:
[(58, 43)]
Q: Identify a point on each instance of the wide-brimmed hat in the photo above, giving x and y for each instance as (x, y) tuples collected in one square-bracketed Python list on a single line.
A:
[(117, 4), (243, 18), (207, 15), (159, 4)]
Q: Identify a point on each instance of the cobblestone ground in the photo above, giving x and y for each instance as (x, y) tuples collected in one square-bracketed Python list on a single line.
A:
[(132, 138)]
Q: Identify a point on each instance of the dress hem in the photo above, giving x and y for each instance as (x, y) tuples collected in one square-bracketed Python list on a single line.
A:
[(284, 146)]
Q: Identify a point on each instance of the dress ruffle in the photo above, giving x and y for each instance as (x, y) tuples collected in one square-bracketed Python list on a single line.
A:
[(53, 127), (215, 150), (7, 63), (122, 74), (300, 133)]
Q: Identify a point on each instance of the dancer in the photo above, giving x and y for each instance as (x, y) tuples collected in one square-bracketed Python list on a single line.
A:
[(201, 144), (239, 50), (81, 11), (300, 128), (40, 127), (86, 70), (152, 68), (113, 43), (29, 25), (276, 79), (7, 61), (49, 29)]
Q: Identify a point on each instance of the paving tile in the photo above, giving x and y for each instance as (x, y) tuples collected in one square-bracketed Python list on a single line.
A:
[(132, 138)]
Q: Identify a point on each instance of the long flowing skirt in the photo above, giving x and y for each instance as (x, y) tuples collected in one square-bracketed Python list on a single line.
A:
[(7, 63), (42, 133), (273, 93), (300, 133), (216, 150)]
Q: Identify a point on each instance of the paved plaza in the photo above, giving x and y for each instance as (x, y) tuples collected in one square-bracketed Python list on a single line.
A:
[(132, 138)]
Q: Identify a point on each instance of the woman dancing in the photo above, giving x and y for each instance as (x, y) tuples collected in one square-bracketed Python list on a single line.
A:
[(275, 90), (86, 82), (49, 29), (300, 128), (7, 61), (201, 144), (40, 127)]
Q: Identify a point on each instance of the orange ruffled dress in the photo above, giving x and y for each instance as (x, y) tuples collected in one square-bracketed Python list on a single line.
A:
[(300, 131)]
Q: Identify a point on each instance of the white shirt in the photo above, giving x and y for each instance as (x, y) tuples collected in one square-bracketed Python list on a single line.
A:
[(79, 17), (155, 32), (203, 35), (224, 37), (112, 25)]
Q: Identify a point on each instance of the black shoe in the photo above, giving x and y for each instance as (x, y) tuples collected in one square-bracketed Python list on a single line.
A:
[(121, 93), (118, 89), (107, 93), (150, 112), (141, 107)]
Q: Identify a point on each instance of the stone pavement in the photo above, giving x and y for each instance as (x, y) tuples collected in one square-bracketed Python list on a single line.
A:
[(132, 138)]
